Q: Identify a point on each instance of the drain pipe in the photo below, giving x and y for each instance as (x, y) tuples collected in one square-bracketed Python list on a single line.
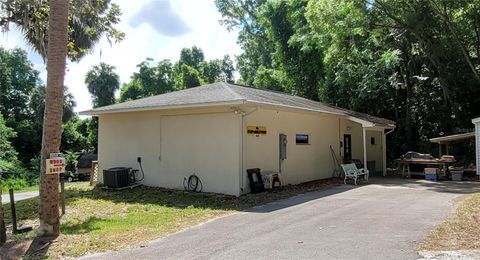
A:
[(242, 152), (385, 150)]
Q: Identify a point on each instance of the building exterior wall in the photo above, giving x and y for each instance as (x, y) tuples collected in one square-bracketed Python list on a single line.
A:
[(213, 143), (304, 162), (375, 151), (174, 145), (356, 131)]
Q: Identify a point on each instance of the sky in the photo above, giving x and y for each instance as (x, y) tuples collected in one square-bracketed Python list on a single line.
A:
[(157, 29)]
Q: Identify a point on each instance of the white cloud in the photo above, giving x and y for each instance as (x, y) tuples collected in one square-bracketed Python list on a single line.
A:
[(141, 42)]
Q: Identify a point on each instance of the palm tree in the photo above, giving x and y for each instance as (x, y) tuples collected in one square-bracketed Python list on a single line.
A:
[(52, 121), (89, 21)]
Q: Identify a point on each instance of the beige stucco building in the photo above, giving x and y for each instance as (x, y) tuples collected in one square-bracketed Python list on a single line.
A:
[(219, 130)]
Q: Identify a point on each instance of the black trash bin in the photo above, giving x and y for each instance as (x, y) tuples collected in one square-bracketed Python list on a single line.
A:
[(371, 168)]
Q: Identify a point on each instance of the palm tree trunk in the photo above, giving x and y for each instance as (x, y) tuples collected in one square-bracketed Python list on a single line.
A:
[(52, 121)]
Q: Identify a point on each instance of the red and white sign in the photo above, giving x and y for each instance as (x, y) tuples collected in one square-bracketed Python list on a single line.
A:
[(55, 165)]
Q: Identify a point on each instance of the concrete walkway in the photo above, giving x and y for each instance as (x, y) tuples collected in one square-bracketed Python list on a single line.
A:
[(383, 220), (19, 196)]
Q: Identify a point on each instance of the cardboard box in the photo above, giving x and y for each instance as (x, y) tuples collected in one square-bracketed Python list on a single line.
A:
[(430, 170)]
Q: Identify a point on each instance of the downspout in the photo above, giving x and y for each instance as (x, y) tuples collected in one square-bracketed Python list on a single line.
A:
[(385, 150), (364, 130), (242, 152)]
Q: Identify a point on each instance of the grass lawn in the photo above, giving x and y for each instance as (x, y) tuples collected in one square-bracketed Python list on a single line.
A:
[(460, 231), (98, 220)]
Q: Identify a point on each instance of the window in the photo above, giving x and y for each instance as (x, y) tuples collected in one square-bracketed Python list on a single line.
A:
[(302, 139), (372, 140)]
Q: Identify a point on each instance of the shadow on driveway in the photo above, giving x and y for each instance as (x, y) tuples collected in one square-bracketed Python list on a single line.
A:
[(456, 187), (300, 199)]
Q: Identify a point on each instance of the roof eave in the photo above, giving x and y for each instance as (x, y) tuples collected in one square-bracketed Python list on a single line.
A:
[(290, 107), (452, 138), (94, 112), (363, 122)]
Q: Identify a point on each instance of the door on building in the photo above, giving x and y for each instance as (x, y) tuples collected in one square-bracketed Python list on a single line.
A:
[(347, 147)]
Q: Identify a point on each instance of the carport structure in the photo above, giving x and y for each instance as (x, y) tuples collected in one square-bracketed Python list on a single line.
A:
[(446, 140)]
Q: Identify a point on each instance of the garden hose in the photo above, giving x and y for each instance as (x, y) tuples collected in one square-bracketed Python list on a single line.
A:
[(192, 184)]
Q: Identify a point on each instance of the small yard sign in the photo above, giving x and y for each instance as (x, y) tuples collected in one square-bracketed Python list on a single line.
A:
[(256, 130), (55, 165)]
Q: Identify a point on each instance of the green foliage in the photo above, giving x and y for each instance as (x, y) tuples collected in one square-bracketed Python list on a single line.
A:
[(227, 70), (189, 77), (37, 104), (7, 152), (192, 57), (15, 184), (131, 91), (75, 136), (271, 79), (17, 80), (415, 62), (149, 80), (71, 160), (16, 170), (89, 21), (211, 70), (190, 71), (102, 82), (218, 70)]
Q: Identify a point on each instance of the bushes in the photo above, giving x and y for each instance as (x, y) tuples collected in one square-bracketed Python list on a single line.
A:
[(16, 184), (16, 173)]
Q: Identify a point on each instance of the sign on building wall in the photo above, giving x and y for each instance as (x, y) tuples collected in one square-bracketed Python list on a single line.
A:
[(55, 165), (256, 130)]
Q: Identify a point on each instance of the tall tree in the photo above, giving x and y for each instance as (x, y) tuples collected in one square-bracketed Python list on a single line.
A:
[(188, 77), (102, 82), (89, 20), (52, 124), (227, 69), (7, 155), (192, 57), (17, 79), (246, 16)]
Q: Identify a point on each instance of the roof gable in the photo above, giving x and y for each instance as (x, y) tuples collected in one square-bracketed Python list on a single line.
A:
[(221, 93)]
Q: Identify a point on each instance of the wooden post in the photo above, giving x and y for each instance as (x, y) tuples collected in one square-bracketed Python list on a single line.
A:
[(446, 149), (13, 211), (439, 150), (62, 194)]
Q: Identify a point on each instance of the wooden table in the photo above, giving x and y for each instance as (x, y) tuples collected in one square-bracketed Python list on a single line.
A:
[(404, 164)]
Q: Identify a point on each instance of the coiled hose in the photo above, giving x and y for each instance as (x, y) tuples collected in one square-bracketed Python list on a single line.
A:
[(192, 184)]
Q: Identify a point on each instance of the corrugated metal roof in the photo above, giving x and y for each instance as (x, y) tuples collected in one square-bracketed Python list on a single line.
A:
[(224, 93)]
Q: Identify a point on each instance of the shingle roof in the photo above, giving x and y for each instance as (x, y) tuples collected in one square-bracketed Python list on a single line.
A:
[(225, 93)]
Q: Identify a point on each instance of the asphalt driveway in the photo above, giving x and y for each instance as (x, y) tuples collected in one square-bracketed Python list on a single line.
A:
[(383, 220)]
